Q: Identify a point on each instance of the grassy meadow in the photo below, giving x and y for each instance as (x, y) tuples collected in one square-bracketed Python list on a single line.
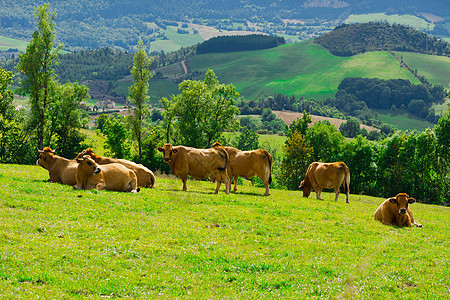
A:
[(8, 43), (296, 69), (410, 20), (404, 120), (60, 243)]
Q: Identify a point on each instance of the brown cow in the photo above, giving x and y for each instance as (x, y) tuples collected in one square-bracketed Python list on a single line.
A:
[(198, 163), (248, 164), (60, 169), (326, 175), (145, 177), (395, 211), (112, 177)]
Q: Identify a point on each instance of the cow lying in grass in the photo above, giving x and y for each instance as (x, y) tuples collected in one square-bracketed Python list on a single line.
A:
[(326, 175), (112, 177), (145, 177), (198, 163), (395, 211), (248, 164), (60, 169)]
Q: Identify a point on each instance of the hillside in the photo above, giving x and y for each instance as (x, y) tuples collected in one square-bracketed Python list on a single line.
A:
[(173, 24), (57, 242)]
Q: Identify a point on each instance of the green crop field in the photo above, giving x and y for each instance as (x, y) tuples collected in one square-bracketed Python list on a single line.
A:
[(303, 69), (61, 243), (404, 121), (436, 69)]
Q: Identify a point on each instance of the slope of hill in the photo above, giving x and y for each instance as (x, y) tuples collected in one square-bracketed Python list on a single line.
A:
[(57, 242), (303, 69)]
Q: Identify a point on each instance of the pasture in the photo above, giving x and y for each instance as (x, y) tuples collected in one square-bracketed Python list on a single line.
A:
[(7, 43), (404, 120), (296, 69), (410, 20), (57, 242)]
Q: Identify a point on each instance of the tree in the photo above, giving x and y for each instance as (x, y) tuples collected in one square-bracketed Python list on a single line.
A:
[(202, 111), (248, 140), (37, 64), (350, 128), (138, 93), (116, 134), (325, 140)]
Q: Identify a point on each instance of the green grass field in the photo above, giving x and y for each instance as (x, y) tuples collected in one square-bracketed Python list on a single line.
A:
[(410, 20), (296, 69), (60, 243), (404, 121), (7, 43), (436, 69)]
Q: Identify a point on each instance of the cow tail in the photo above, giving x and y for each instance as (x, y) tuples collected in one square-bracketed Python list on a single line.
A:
[(269, 158), (223, 153), (152, 180), (346, 179)]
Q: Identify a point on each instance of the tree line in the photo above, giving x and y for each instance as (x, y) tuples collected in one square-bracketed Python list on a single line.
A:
[(239, 43)]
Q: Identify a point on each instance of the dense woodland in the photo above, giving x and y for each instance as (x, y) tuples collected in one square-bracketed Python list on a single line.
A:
[(347, 40), (239, 43)]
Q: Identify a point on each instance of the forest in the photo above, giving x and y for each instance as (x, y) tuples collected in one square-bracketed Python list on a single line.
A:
[(348, 40), (239, 43)]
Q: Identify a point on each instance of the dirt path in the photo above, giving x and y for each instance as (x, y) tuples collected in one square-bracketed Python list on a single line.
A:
[(289, 116), (184, 66)]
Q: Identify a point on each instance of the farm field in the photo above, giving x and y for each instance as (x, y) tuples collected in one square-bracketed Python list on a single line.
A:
[(410, 20), (404, 121), (57, 242), (7, 43), (296, 69)]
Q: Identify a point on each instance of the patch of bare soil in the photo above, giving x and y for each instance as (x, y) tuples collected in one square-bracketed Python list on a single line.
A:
[(288, 117)]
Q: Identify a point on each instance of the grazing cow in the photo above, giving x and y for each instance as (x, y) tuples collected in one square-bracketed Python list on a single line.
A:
[(248, 164), (112, 177), (60, 169), (395, 211), (326, 176), (145, 177), (198, 163)]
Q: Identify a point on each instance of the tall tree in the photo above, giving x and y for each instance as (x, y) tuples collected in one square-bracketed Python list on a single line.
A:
[(138, 93), (37, 64), (202, 111)]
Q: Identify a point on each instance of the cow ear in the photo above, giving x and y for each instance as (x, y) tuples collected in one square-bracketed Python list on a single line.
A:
[(411, 200), (393, 200), (79, 160), (302, 183), (175, 150), (160, 149)]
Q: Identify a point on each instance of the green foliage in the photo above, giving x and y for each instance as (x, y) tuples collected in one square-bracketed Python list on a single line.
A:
[(247, 140), (325, 140), (239, 43), (138, 94), (350, 128), (298, 154), (37, 64), (202, 111), (117, 138), (347, 40)]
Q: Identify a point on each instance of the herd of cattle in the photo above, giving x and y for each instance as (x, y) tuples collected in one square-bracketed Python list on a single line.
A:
[(222, 164)]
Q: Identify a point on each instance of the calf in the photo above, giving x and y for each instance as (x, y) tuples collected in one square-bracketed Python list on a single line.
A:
[(198, 163), (145, 177), (113, 177), (326, 175), (60, 169), (395, 211)]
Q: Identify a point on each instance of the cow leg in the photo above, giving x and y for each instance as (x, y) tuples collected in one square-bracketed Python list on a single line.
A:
[(346, 194), (336, 191), (266, 184), (219, 181), (235, 178), (184, 184), (318, 192), (413, 221)]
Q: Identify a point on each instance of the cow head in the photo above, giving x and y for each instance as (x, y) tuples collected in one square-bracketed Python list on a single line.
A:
[(87, 151), (167, 150), (44, 156), (305, 185), (87, 165), (402, 200)]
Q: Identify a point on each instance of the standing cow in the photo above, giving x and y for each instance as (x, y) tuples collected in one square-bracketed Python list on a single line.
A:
[(198, 163), (395, 211), (60, 169), (326, 175), (144, 175), (248, 164)]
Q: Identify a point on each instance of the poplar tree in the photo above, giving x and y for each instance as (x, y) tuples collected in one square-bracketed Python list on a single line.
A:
[(138, 93)]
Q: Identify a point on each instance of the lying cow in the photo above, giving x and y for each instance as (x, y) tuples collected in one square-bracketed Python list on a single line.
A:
[(60, 169), (198, 163), (145, 177), (321, 176), (395, 211), (112, 177), (248, 164)]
